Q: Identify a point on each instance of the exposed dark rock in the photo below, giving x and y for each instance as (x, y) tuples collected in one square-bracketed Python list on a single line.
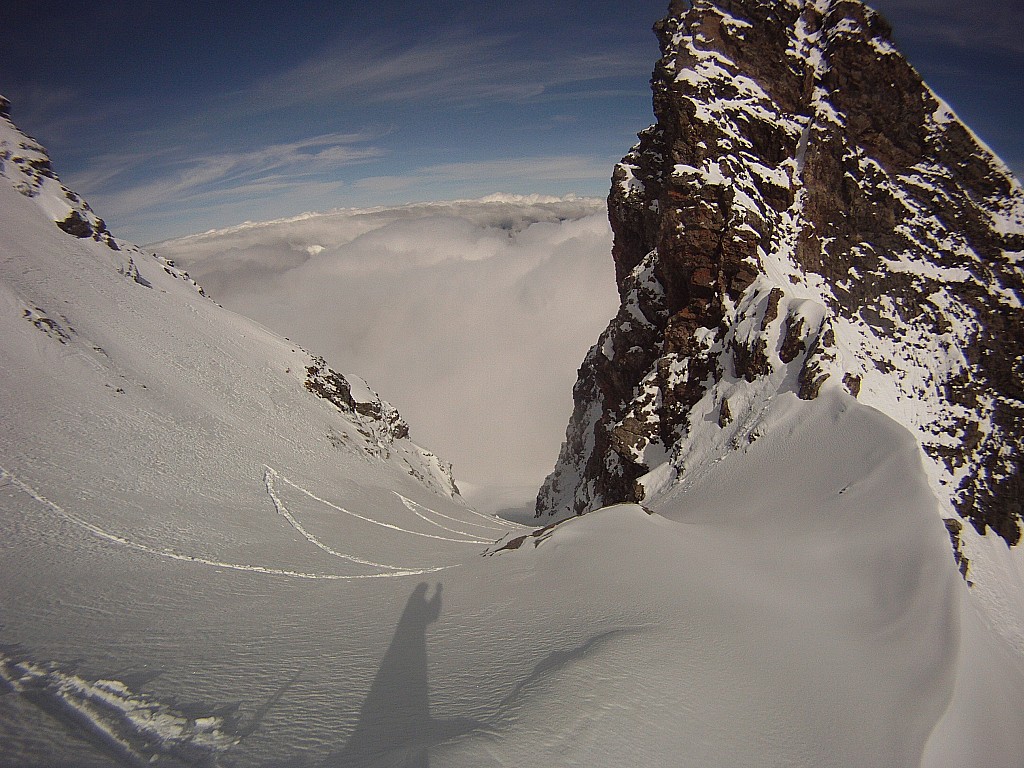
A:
[(852, 384), (29, 169), (793, 342), (75, 224), (48, 325), (799, 168), (724, 414), (954, 528), (377, 420), (538, 536), (329, 384)]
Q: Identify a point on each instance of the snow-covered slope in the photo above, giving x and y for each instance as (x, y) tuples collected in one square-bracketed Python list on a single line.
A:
[(216, 551), (152, 440)]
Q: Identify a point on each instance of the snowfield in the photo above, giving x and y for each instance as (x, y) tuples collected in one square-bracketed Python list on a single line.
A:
[(204, 563)]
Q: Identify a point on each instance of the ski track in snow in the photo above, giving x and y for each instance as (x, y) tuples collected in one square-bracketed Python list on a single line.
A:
[(412, 507), (173, 555), (502, 526), (379, 522), (492, 519), (134, 728), (268, 479)]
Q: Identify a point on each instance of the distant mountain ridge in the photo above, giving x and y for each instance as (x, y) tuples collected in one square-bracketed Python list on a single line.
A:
[(805, 214)]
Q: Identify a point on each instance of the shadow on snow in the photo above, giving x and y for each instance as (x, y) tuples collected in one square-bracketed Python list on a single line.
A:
[(395, 729)]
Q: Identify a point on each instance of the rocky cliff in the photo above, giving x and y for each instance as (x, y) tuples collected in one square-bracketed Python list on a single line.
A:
[(805, 214)]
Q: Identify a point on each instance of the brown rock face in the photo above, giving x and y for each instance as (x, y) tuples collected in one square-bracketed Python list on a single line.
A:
[(806, 213), (30, 169)]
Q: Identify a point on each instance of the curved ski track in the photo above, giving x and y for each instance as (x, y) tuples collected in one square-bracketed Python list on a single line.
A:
[(310, 494), (270, 476)]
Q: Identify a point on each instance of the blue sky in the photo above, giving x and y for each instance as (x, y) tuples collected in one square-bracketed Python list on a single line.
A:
[(177, 117)]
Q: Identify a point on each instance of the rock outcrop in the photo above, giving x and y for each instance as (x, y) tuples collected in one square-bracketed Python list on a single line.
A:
[(26, 163), (806, 213)]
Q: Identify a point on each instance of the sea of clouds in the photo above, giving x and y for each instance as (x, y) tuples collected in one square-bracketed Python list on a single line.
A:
[(472, 317)]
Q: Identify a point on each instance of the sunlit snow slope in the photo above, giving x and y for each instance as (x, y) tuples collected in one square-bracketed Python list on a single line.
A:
[(204, 563)]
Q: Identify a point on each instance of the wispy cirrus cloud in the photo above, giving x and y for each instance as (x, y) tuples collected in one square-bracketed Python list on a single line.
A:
[(982, 24), (372, 83), (450, 69), (496, 174), (177, 174), (176, 188)]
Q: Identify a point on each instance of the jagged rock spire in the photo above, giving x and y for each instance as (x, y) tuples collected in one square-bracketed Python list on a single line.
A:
[(805, 213)]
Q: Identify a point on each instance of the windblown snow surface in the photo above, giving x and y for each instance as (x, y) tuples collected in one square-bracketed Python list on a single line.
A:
[(471, 316), (205, 564)]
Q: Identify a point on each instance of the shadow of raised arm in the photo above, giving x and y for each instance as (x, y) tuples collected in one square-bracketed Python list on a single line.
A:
[(395, 729)]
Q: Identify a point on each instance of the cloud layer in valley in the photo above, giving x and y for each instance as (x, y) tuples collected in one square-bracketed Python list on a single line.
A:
[(471, 317)]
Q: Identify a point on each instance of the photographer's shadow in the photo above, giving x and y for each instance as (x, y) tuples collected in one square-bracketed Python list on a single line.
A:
[(395, 729)]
